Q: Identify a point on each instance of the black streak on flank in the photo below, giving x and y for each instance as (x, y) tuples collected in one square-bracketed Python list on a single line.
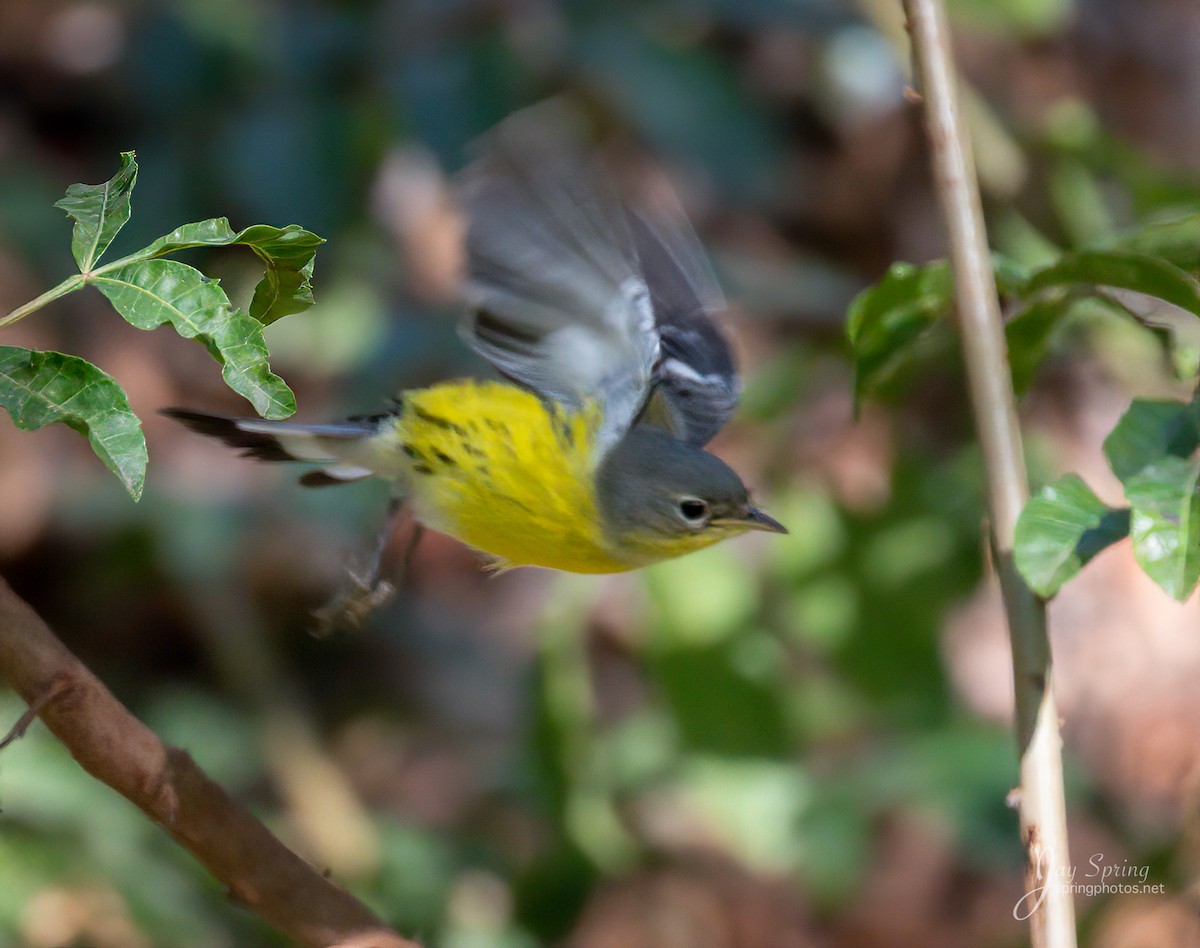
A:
[(422, 469), (439, 422), (518, 504), (444, 458)]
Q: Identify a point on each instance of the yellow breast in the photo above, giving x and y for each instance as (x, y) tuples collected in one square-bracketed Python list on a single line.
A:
[(492, 465)]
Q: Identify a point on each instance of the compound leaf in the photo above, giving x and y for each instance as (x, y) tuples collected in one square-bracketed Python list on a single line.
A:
[(288, 253), (149, 293)]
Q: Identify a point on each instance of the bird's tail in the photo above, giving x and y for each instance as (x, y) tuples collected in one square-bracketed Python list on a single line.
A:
[(339, 448)]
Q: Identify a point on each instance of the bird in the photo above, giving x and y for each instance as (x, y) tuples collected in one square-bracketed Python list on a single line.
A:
[(602, 319)]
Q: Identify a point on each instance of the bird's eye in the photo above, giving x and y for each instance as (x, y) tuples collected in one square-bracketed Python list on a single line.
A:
[(693, 509)]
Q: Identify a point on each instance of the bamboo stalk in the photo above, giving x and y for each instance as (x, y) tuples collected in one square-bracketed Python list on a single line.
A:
[(1040, 798)]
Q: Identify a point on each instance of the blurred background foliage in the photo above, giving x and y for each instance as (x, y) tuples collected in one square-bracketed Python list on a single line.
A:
[(778, 742)]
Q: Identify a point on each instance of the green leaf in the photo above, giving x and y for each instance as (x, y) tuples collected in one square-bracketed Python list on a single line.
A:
[(1028, 336), (1150, 431), (1176, 240), (149, 293), (1165, 523), (903, 285), (1031, 331), (288, 252), (1128, 271), (885, 320), (1010, 275), (99, 212), (1062, 529), (40, 388)]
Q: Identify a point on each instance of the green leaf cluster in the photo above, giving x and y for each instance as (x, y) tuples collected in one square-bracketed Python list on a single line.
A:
[(148, 290), (1153, 448), (888, 320)]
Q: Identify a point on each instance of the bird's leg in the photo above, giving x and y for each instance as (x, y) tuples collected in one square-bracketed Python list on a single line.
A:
[(366, 588), (410, 550)]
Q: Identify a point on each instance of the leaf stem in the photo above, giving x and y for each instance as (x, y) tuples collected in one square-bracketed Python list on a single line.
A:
[(136, 257), (69, 285), (1041, 799), (73, 283)]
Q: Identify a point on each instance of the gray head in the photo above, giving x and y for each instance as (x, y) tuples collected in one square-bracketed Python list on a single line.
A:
[(660, 495)]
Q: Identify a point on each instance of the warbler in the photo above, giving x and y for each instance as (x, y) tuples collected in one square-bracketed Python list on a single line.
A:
[(590, 457)]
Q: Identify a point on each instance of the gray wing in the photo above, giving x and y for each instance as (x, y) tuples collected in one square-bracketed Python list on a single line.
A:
[(558, 302), (577, 298), (695, 383)]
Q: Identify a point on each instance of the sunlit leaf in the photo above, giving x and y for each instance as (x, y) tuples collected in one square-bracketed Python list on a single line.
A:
[(1061, 529), (1165, 523), (149, 293), (1150, 431), (288, 253), (1128, 271), (99, 212), (41, 388)]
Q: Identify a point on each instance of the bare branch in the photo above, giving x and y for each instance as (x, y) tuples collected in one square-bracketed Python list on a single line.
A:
[(1040, 800), (113, 746)]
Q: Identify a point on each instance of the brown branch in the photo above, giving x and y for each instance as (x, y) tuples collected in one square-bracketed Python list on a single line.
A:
[(113, 746), (1040, 800)]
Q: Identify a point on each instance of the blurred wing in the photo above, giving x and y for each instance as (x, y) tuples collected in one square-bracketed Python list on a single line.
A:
[(557, 296), (695, 383)]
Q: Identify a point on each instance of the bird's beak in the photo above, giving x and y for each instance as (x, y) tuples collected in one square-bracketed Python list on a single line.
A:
[(754, 519)]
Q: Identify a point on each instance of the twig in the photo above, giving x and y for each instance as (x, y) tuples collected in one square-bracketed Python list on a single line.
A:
[(112, 745), (29, 715), (1040, 800)]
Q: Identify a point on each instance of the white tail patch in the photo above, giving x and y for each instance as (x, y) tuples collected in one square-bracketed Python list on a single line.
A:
[(302, 442), (347, 472)]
